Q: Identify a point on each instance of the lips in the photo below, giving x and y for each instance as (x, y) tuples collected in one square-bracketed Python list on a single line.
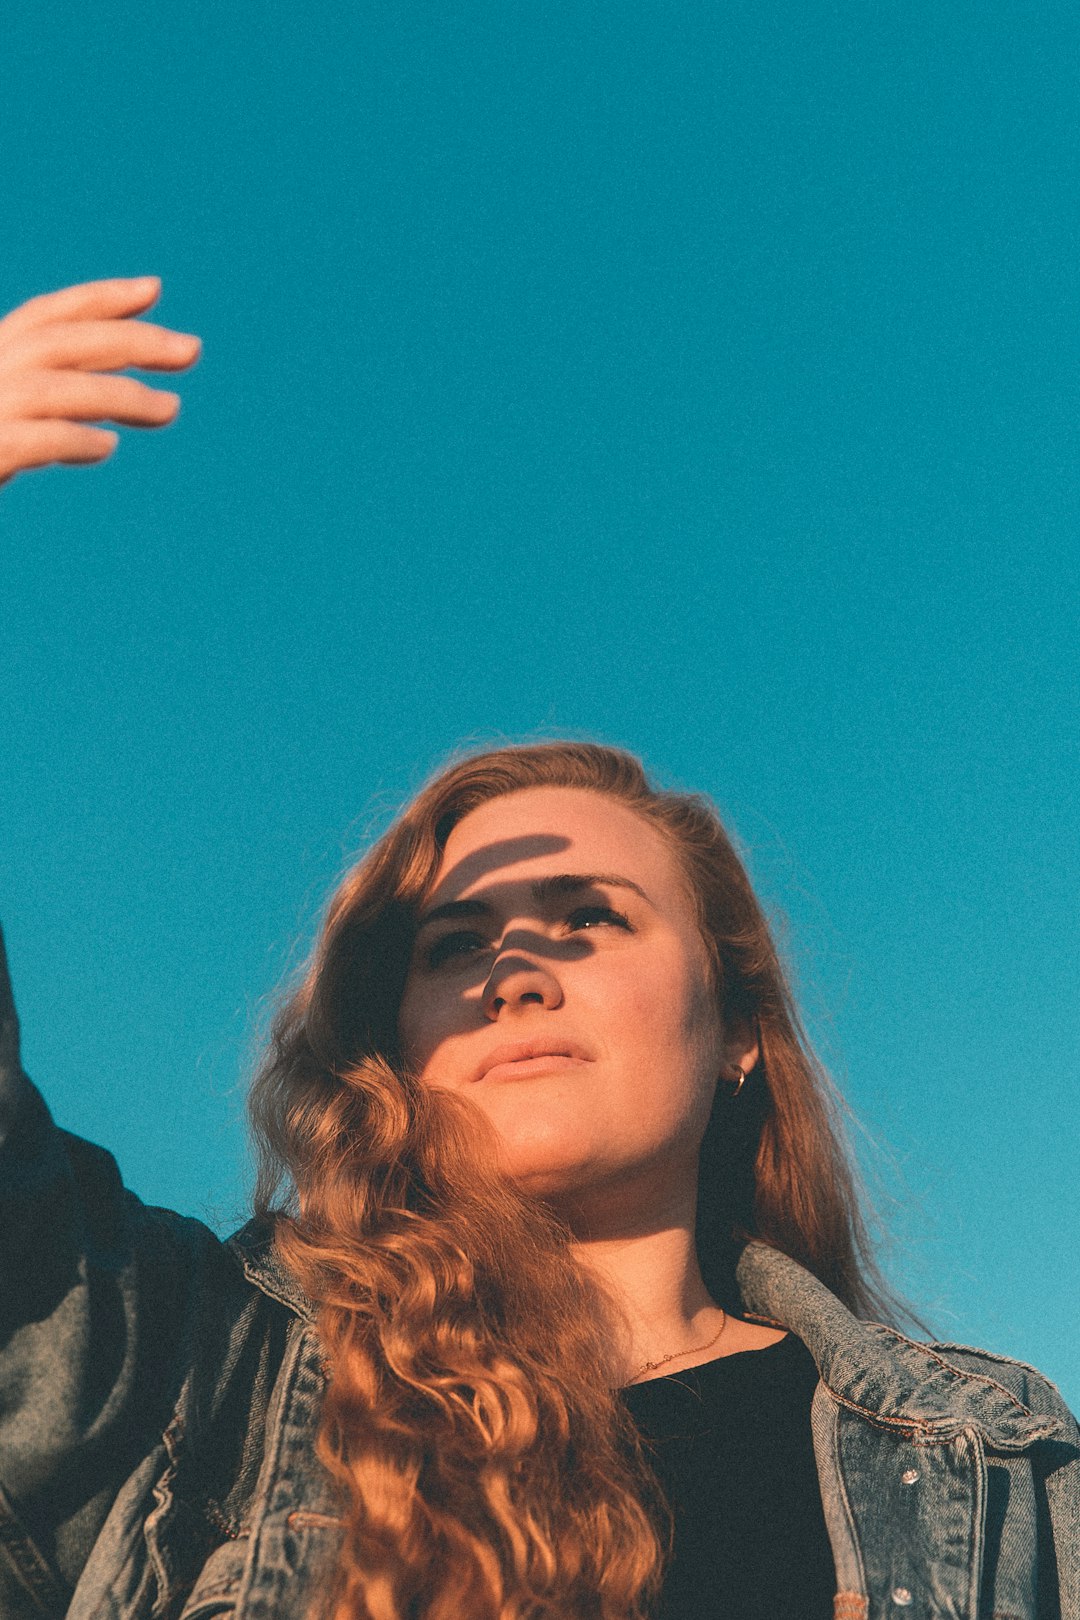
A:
[(530, 1057)]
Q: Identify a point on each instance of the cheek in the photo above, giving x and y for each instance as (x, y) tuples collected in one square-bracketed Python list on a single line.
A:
[(416, 1026), (668, 1017), (703, 1028), (431, 1022)]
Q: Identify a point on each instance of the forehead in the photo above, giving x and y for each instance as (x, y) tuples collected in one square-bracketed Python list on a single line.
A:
[(543, 831)]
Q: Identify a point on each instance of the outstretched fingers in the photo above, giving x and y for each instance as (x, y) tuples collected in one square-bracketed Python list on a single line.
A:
[(57, 356), (104, 346), (87, 396), (25, 445), (89, 301)]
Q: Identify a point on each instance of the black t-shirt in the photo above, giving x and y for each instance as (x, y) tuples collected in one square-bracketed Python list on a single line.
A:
[(730, 1443)]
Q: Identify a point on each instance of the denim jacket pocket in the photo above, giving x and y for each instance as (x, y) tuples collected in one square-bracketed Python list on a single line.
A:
[(215, 1592), (28, 1584)]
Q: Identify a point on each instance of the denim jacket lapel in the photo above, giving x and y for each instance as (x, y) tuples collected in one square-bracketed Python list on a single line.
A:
[(929, 1498)]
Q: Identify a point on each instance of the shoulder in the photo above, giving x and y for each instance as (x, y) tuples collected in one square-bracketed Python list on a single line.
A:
[(253, 1251), (1019, 1381), (879, 1373)]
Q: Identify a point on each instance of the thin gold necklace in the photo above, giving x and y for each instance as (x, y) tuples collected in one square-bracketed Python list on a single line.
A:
[(651, 1366)]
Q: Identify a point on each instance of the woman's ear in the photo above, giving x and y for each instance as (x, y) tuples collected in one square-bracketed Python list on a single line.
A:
[(742, 1047)]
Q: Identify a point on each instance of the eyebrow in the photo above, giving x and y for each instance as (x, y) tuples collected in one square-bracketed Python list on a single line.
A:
[(560, 886)]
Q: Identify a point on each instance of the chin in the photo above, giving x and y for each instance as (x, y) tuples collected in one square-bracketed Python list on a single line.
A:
[(544, 1174)]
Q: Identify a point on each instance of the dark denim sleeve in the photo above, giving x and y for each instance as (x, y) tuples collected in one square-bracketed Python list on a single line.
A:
[(104, 1305)]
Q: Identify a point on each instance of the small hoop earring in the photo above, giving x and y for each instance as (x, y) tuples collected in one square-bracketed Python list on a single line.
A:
[(739, 1081)]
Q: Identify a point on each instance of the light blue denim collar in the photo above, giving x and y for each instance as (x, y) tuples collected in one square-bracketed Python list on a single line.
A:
[(877, 1372), (253, 1247)]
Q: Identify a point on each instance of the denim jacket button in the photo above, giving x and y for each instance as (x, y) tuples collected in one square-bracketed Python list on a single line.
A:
[(901, 1595), (909, 1476)]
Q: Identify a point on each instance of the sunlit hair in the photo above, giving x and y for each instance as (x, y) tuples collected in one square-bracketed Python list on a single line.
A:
[(486, 1468)]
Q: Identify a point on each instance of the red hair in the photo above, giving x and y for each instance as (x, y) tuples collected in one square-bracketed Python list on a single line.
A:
[(485, 1467)]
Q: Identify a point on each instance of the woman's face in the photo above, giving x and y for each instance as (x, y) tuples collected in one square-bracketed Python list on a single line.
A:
[(559, 982)]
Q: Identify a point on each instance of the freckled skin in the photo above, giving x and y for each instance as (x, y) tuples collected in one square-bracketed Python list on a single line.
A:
[(612, 1140)]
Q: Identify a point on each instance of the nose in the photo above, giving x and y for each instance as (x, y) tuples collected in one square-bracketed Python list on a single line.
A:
[(516, 982)]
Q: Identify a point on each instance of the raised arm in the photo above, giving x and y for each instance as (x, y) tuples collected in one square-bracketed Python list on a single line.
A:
[(58, 357), (10, 1068), (103, 1306)]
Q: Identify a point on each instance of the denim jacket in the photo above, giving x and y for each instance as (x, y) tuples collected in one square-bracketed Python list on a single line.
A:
[(160, 1392)]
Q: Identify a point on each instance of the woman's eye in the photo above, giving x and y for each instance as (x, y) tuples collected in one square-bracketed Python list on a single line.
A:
[(459, 946), (589, 916), (454, 945)]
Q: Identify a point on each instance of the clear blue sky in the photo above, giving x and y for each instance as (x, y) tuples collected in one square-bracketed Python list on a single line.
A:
[(701, 379)]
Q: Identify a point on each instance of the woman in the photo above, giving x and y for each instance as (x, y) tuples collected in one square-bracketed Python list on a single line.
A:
[(556, 1298)]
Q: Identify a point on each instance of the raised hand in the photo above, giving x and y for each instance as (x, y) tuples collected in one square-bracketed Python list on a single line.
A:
[(56, 356)]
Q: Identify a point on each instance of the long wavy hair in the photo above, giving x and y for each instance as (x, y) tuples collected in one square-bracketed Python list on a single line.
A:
[(486, 1468)]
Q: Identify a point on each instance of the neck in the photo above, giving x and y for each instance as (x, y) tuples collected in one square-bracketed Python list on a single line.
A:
[(654, 1279), (651, 1274)]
